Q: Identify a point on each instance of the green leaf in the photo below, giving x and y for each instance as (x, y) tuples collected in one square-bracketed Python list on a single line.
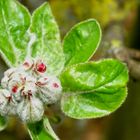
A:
[(40, 131), (48, 44), (14, 23), (93, 89), (3, 123), (81, 42)]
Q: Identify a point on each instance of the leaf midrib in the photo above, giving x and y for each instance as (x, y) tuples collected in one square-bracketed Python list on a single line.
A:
[(94, 90)]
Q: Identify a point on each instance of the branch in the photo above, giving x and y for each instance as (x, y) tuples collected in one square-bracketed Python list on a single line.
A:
[(130, 57), (113, 46)]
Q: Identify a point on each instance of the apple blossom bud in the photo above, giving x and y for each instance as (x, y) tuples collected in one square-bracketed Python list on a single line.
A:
[(4, 82), (40, 67), (28, 64), (30, 111), (9, 72), (51, 90), (26, 88), (7, 106)]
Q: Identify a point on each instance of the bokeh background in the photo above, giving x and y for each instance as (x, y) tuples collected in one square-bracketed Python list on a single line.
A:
[(120, 20)]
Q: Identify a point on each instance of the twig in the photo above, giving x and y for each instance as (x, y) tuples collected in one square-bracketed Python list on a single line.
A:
[(113, 46)]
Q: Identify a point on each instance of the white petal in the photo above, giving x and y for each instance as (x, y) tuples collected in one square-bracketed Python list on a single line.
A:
[(43, 79), (28, 64), (4, 81), (18, 75), (49, 97), (10, 71), (51, 91), (17, 79), (6, 107), (54, 86), (17, 97), (30, 79), (30, 85), (3, 101), (6, 93), (30, 110)]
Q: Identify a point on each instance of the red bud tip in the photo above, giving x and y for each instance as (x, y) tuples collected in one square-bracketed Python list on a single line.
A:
[(14, 89), (26, 64), (41, 67), (55, 85)]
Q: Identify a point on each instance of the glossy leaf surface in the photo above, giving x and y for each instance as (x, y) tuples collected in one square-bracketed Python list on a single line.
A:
[(94, 89), (14, 23), (81, 42), (47, 44), (38, 131)]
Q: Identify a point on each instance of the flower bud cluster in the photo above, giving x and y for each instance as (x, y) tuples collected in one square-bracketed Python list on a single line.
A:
[(26, 89)]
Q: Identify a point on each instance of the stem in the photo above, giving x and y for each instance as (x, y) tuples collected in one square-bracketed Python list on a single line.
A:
[(48, 126)]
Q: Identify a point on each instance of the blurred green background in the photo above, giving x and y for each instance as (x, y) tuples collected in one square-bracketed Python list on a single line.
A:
[(124, 124)]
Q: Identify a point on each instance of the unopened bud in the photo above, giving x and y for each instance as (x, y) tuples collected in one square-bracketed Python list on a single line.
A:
[(30, 111), (26, 88)]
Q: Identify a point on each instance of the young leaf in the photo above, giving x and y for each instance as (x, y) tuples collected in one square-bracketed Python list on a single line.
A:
[(93, 89), (37, 131), (47, 45), (14, 22), (81, 42), (49, 128), (3, 123)]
